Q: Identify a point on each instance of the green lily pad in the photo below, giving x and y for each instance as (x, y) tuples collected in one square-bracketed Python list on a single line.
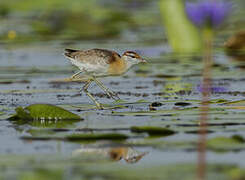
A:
[(152, 131), (11, 81), (240, 102), (89, 137), (43, 112), (77, 137), (223, 144), (218, 101), (238, 138)]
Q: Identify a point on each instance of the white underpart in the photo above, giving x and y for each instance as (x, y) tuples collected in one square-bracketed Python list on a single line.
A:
[(101, 69), (94, 69)]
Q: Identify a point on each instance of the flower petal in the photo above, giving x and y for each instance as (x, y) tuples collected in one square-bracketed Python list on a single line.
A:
[(195, 14), (209, 12), (219, 11)]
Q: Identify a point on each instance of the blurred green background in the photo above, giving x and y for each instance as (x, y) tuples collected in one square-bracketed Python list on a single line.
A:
[(28, 20), (31, 21)]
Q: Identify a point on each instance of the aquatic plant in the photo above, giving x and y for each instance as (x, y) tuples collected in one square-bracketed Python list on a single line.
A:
[(206, 15), (182, 35), (211, 13)]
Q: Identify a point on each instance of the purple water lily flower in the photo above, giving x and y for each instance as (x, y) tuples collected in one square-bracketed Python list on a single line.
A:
[(208, 13), (213, 89)]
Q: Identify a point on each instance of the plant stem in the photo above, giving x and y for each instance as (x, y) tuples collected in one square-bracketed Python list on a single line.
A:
[(206, 88)]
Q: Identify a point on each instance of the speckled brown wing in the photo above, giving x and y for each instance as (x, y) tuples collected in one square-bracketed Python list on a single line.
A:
[(92, 56)]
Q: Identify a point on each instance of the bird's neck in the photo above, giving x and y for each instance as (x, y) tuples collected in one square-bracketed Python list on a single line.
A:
[(129, 64), (118, 67)]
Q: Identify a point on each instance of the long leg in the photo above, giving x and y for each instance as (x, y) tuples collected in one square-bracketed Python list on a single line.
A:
[(75, 75), (107, 90), (85, 89)]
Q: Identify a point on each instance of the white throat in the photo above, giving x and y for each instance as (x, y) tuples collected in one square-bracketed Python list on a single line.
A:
[(130, 62)]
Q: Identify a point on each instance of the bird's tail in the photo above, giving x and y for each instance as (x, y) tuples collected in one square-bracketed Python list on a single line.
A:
[(70, 53)]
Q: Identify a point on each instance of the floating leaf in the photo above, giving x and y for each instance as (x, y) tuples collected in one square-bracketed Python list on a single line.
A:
[(237, 103), (182, 104), (87, 137), (152, 131), (142, 101), (77, 137), (146, 113), (240, 105), (11, 81), (177, 87), (43, 112), (239, 138), (222, 144), (218, 101), (156, 104)]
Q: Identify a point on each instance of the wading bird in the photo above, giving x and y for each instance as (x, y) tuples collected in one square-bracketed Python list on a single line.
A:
[(96, 63)]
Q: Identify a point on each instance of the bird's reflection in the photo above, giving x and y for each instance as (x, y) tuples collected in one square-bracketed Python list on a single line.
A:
[(113, 153)]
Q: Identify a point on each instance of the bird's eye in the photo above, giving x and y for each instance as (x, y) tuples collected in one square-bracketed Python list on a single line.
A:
[(131, 55)]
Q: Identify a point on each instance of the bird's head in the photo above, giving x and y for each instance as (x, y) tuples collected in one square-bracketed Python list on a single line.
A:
[(133, 57)]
